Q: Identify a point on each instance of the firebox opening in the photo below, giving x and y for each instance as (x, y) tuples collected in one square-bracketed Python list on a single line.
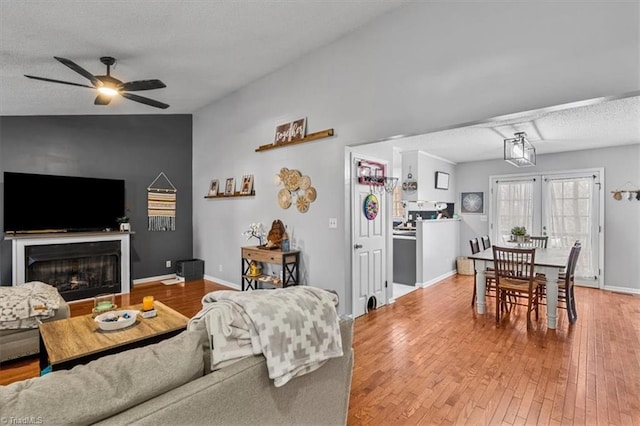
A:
[(77, 270)]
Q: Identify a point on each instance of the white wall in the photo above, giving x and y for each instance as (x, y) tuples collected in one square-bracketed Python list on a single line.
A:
[(621, 218), (425, 66)]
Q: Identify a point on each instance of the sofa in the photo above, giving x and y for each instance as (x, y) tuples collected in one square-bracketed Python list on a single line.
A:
[(169, 383), (17, 343)]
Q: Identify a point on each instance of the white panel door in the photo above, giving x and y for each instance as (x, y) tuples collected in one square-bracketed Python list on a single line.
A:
[(368, 245)]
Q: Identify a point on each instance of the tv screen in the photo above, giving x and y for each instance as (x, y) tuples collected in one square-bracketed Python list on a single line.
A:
[(34, 202)]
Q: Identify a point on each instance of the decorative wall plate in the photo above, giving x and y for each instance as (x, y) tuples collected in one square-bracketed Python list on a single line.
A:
[(292, 180), (284, 198), (305, 182), (297, 189), (302, 204), (311, 194)]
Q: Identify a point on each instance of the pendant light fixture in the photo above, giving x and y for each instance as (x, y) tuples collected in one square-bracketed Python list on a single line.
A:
[(519, 152)]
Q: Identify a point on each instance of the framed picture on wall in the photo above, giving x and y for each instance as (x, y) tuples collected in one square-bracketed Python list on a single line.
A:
[(229, 187), (442, 180), (247, 185), (472, 202), (213, 188)]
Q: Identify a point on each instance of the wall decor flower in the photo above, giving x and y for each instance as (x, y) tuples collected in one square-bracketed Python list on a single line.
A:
[(256, 230)]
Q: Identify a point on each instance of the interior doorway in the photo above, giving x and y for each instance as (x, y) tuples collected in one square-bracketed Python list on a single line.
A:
[(369, 239)]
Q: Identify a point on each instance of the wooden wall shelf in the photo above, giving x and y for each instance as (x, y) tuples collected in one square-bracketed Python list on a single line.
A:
[(235, 194), (310, 137)]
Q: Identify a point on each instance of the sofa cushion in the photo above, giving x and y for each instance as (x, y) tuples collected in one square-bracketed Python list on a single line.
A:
[(107, 385)]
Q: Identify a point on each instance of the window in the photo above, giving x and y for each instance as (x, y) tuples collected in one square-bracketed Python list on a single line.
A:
[(563, 206), (398, 205)]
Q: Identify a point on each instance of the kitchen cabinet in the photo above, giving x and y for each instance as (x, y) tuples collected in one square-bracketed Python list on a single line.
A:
[(404, 259)]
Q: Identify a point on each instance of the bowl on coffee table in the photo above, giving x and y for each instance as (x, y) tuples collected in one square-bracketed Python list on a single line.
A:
[(117, 320)]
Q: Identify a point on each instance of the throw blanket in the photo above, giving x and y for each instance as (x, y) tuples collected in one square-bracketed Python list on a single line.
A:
[(24, 305), (295, 328)]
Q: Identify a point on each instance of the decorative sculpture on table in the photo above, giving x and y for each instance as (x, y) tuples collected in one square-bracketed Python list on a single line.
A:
[(276, 235)]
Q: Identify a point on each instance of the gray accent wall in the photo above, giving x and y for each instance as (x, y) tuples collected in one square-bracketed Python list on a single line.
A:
[(135, 148), (424, 67)]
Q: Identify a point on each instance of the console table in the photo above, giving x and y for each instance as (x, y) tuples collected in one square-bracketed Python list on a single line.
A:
[(289, 260)]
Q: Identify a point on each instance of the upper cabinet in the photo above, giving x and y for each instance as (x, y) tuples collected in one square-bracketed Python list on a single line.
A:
[(427, 178)]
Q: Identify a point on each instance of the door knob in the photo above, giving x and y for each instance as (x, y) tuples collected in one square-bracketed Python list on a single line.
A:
[(357, 246)]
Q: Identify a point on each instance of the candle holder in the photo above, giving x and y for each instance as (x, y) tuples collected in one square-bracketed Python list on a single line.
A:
[(148, 311), (103, 303), (147, 303)]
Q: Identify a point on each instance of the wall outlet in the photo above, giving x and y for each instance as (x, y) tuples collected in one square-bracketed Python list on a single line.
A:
[(220, 268), (333, 222), (167, 264)]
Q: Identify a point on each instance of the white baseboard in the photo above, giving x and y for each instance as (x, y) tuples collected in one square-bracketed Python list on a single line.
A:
[(151, 279), (222, 282), (437, 279), (622, 290), (170, 276)]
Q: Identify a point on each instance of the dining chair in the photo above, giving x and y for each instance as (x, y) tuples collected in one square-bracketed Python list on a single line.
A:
[(475, 245), (540, 242), (515, 277), (489, 274), (566, 282), (486, 242)]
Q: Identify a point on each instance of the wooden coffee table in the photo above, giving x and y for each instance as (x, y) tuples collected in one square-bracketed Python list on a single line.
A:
[(77, 340)]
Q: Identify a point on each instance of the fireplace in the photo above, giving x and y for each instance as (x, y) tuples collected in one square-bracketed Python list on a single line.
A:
[(77, 270), (79, 265)]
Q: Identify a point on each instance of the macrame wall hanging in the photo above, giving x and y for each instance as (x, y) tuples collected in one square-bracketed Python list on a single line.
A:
[(161, 205)]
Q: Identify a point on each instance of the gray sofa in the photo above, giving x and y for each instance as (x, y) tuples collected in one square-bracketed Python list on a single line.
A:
[(167, 383), (23, 342)]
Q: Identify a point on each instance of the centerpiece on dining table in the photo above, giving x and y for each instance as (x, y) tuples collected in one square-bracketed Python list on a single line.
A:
[(518, 234)]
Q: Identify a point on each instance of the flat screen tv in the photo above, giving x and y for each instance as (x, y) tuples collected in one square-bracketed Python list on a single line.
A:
[(34, 202)]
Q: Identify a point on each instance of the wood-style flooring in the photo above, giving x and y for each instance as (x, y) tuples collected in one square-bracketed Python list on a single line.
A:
[(429, 359)]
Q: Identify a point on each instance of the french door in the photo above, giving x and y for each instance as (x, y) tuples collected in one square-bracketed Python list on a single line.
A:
[(566, 207)]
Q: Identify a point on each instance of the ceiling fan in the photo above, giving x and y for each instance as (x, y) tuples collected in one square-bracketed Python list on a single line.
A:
[(108, 86)]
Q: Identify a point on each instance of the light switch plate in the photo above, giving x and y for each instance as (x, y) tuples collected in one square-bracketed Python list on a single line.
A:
[(333, 222)]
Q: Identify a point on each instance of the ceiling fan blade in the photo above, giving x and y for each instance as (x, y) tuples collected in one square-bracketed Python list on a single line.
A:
[(144, 100), (102, 100), (77, 68), (58, 81), (133, 86)]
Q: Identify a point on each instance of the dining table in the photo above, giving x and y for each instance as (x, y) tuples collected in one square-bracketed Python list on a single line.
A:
[(548, 261)]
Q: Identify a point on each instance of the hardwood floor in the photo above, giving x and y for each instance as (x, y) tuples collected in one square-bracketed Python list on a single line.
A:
[(429, 359)]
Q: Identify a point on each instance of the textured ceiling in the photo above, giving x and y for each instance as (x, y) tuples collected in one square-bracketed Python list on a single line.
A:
[(205, 50), (589, 124), (202, 50)]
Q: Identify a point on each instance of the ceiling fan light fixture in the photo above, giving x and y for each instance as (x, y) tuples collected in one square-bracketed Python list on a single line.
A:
[(108, 86), (518, 151), (108, 91)]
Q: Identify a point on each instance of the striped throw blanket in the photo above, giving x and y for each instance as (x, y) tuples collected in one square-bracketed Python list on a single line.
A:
[(296, 328)]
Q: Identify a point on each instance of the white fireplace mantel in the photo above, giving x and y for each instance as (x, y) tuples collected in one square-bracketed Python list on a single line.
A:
[(19, 242)]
